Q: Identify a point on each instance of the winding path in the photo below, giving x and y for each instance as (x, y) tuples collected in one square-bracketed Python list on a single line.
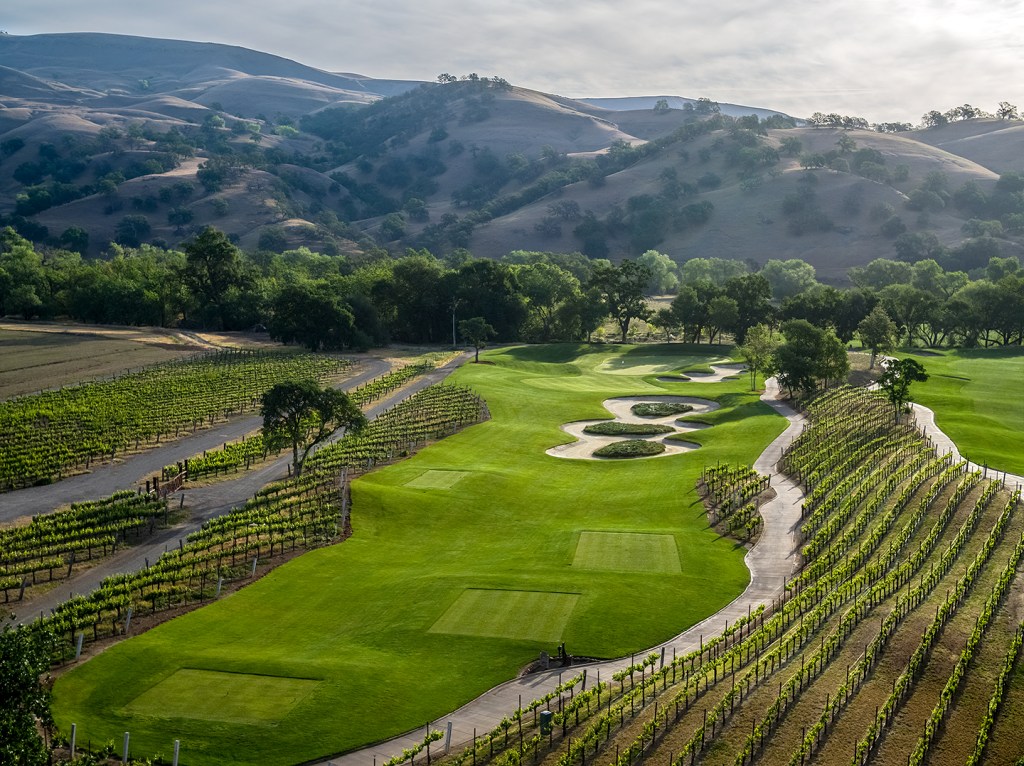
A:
[(771, 561), (926, 422)]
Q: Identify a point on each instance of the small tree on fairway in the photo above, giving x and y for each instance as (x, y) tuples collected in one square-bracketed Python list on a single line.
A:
[(896, 380), (476, 332), (759, 352), (301, 414), (878, 332)]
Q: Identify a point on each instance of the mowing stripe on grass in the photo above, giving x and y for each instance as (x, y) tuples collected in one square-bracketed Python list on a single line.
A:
[(627, 552), (436, 479), (211, 695), (527, 615)]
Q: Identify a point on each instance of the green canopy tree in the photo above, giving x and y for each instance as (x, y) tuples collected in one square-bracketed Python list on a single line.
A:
[(896, 380), (476, 332), (759, 352), (301, 414), (623, 288), (877, 332)]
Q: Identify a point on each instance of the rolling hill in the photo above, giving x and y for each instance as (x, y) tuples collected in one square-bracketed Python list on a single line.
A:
[(142, 140)]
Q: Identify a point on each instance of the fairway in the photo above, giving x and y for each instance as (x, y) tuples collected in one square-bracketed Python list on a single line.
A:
[(627, 552), (226, 697), (437, 479), (525, 615), (465, 562), (978, 399)]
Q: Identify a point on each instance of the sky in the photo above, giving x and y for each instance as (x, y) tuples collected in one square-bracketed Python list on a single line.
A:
[(884, 60)]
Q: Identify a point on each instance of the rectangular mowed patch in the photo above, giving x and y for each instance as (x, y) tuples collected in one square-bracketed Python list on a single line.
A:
[(437, 479), (518, 614), (210, 695), (627, 552)]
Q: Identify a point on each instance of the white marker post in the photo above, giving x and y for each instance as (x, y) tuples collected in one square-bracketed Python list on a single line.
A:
[(78, 645), (124, 757), (177, 747), (74, 735)]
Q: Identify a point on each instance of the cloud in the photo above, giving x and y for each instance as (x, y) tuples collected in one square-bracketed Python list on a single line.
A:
[(881, 59)]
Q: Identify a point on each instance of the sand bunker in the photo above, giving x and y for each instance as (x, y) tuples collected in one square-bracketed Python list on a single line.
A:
[(720, 372), (620, 407)]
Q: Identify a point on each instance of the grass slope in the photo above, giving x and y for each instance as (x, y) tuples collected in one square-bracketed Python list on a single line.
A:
[(445, 591), (977, 399)]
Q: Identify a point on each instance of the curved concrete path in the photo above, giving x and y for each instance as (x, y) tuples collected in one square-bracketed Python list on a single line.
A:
[(771, 562), (926, 422)]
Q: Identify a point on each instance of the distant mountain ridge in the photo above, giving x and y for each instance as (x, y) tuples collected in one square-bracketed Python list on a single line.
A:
[(134, 139)]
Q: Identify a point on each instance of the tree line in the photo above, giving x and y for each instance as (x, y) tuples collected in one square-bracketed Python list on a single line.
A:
[(326, 302)]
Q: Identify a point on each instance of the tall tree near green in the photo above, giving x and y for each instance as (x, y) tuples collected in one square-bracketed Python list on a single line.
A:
[(753, 294), (809, 356), (213, 266), (664, 278), (759, 352), (545, 287), (476, 331), (24, 701), (315, 317), (877, 332), (301, 414), (896, 379), (623, 288)]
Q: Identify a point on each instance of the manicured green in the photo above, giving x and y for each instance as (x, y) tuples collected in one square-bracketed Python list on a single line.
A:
[(234, 697), (978, 399), (615, 428), (630, 448), (363, 618), (627, 552), (659, 409), (516, 614), (437, 479)]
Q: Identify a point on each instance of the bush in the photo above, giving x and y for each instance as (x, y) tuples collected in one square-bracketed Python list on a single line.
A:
[(631, 448), (614, 428), (659, 409)]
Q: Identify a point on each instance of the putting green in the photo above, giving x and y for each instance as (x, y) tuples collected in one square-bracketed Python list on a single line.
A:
[(627, 552), (437, 479), (515, 614), (492, 556), (209, 695)]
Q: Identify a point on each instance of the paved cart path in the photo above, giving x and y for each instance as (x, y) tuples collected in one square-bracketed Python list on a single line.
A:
[(772, 560)]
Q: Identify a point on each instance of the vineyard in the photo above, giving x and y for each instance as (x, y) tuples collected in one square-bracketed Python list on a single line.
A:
[(294, 514), (47, 435), (251, 450), (80, 534), (896, 643)]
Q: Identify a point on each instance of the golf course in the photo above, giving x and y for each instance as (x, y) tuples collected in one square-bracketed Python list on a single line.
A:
[(977, 398), (467, 560)]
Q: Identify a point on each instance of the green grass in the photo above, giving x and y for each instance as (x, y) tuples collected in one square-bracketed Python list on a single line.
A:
[(515, 614), (437, 479), (630, 448), (627, 552), (359, 616), (978, 399), (225, 697), (615, 428)]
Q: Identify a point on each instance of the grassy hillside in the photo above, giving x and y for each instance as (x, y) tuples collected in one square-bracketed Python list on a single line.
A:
[(99, 128)]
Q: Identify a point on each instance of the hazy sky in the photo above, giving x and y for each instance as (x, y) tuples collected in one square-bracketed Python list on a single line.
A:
[(879, 59)]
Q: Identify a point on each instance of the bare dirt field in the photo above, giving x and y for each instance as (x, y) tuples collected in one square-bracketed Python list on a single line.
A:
[(43, 355)]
